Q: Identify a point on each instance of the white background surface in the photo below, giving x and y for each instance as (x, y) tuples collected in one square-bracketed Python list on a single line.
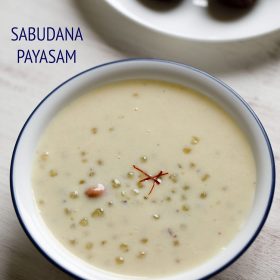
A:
[(250, 67)]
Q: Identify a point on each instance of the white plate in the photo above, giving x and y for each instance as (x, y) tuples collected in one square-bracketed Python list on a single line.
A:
[(21, 164), (203, 20)]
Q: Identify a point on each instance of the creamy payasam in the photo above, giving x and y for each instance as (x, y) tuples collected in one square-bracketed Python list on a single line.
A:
[(144, 178)]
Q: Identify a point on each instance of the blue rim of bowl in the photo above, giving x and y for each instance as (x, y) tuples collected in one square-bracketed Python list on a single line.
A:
[(272, 187)]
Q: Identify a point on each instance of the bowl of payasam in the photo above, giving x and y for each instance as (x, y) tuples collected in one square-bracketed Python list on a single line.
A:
[(142, 169)]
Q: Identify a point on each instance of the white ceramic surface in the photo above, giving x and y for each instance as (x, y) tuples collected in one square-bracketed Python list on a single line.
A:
[(21, 188), (202, 20)]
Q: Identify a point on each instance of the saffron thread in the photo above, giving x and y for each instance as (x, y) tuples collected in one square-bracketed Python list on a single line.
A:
[(156, 178)]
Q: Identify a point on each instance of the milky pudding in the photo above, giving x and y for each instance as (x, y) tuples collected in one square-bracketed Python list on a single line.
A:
[(144, 178)]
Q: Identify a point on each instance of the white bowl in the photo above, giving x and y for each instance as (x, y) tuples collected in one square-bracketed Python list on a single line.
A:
[(20, 176)]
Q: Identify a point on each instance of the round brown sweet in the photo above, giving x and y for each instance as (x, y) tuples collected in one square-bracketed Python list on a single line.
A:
[(238, 3)]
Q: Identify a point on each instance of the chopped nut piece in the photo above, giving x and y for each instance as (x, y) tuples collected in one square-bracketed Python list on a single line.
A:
[(103, 242), (203, 195), (74, 194), (205, 177), (135, 191), (100, 162), (116, 183), (98, 212), (156, 216), (186, 187), (73, 241), (135, 94), (180, 165), (44, 156), (124, 247), (195, 140), (171, 233), (130, 175), (81, 182), (83, 153), (53, 173), (185, 208), (91, 173), (140, 185), (168, 198), (84, 222), (95, 191), (119, 260), (111, 129), (187, 150), (110, 203), (67, 211), (94, 130), (89, 245), (141, 254), (176, 243), (192, 165), (144, 158), (144, 240)]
